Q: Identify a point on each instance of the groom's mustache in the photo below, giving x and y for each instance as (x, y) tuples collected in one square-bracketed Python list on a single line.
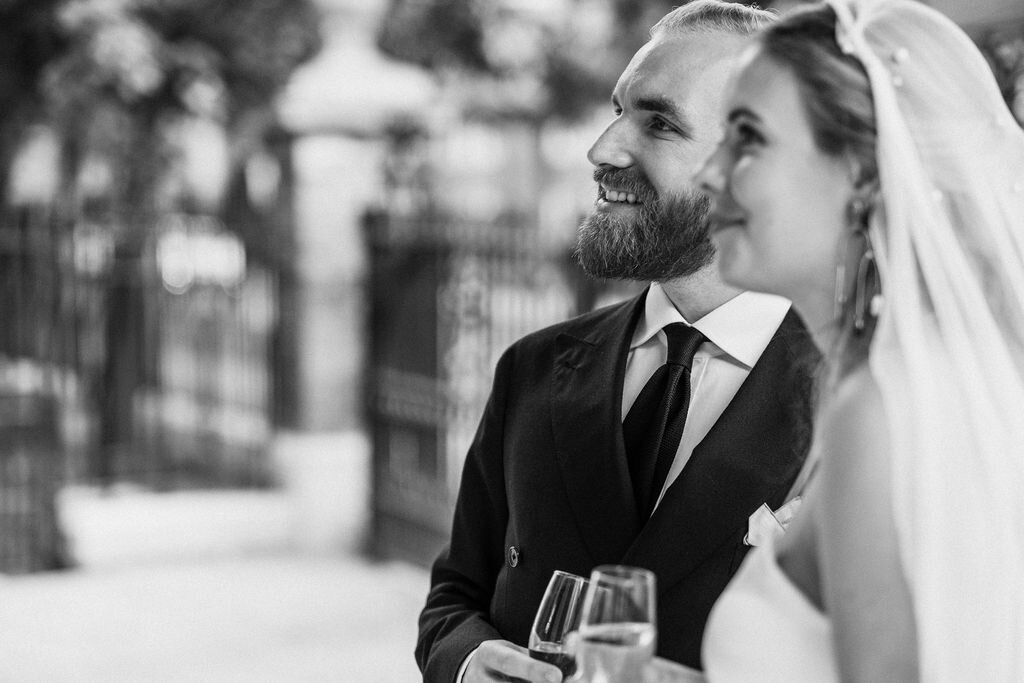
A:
[(629, 180)]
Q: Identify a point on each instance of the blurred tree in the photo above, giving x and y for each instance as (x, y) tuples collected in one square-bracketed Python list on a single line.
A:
[(128, 73), (29, 41), (133, 67), (434, 34), (534, 59), (570, 54)]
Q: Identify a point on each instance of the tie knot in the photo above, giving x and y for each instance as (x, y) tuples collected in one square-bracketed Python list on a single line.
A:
[(683, 341)]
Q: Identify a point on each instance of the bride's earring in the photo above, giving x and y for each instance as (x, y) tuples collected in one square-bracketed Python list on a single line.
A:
[(856, 218), (867, 301), (840, 297)]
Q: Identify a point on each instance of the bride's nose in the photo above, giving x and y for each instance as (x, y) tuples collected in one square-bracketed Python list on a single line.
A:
[(709, 177)]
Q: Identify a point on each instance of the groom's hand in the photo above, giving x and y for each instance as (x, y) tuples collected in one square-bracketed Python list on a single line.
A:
[(500, 660)]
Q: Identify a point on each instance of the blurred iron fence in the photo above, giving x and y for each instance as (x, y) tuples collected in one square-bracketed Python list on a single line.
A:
[(149, 365), (32, 463), (201, 410), (30, 470), (447, 298)]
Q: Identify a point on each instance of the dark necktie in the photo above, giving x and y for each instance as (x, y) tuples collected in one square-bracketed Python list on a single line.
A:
[(654, 425)]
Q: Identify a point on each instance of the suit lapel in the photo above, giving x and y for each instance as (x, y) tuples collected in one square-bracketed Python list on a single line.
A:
[(749, 456), (589, 367)]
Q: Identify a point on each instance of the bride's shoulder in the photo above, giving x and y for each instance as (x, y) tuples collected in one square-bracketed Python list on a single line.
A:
[(855, 401), (853, 426)]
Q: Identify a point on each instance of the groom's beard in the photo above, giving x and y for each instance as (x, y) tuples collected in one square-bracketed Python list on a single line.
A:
[(667, 239)]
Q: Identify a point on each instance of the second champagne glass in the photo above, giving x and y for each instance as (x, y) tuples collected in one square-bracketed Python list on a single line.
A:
[(557, 617), (617, 629)]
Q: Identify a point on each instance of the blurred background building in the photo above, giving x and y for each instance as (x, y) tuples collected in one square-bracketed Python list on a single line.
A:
[(246, 243)]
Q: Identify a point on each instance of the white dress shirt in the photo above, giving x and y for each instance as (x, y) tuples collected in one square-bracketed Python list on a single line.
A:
[(737, 331)]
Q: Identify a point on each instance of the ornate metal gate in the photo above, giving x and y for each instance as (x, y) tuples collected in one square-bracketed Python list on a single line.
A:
[(446, 299)]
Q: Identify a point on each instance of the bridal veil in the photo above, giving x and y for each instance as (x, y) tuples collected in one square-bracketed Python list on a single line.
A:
[(948, 352)]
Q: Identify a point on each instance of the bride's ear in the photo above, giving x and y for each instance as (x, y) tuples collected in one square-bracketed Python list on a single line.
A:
[(863, 196), (864, 179), (856, 170)]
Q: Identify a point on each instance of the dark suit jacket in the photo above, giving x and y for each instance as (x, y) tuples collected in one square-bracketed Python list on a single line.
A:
[(547, 474)]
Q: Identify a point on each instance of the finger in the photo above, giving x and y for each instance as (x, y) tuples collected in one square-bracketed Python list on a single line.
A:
[(504, 661), (498, 676), (488, 662), (541, 674)]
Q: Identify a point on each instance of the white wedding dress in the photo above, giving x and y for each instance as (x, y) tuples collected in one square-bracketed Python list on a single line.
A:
[(764, 629)]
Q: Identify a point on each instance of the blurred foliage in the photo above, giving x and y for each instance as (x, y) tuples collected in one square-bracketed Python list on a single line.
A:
[(564, 61), (29, 40), (434, 34), (199, 56), (106, 74), (134, 65)]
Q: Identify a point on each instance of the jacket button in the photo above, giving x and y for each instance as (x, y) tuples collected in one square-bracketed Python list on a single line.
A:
[(513, 556)]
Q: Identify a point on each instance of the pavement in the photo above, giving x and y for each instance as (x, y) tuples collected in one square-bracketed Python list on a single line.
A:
[(220, 586)]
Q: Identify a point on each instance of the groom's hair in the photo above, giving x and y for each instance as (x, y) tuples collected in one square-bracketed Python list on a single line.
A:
[(708, 16)]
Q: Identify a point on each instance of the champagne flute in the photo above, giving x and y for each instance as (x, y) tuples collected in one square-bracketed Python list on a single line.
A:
[(557, 617), (617, 630)]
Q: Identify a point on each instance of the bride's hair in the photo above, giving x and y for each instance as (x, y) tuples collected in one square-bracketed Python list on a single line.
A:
[(836, 98), (833, 86)]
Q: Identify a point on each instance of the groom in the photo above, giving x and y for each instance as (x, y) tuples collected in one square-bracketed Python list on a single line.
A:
[(552, 479)]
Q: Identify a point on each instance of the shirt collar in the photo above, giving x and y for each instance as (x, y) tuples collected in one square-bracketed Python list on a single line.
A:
[(741, 327)]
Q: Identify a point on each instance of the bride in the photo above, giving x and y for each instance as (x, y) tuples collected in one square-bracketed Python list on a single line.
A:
[(871, 173)]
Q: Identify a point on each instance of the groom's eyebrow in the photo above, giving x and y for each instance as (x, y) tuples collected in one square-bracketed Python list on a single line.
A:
[(665, 106)]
